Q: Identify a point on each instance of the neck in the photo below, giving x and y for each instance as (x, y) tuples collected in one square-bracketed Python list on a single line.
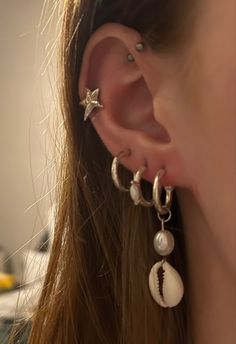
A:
[(211, 287)]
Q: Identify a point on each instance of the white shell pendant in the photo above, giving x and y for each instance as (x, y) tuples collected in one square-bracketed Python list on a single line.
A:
[(165, 284)]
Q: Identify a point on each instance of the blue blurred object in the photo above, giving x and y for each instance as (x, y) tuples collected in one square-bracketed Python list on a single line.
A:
[(22, 331)]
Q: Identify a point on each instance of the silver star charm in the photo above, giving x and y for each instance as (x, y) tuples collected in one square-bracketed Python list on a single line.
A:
[(90, 102)]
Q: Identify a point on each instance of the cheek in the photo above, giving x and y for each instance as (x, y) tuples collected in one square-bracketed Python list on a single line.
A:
[(216, 111), (209, 91), (209, 83), (213, 101)]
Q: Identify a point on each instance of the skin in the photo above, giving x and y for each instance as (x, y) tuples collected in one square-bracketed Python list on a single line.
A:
[(178, 110)]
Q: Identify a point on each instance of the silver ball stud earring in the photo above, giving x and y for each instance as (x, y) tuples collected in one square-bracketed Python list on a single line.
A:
[(130, 58), (139, 47)]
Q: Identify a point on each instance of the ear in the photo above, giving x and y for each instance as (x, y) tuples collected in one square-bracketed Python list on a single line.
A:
[(128, 93)]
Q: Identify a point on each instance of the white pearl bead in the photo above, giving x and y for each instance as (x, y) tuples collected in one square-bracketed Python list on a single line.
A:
[(164, 242), (135, 193)]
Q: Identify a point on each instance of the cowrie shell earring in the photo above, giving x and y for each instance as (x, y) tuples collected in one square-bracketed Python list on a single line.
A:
[(90, 102), (165, 283)]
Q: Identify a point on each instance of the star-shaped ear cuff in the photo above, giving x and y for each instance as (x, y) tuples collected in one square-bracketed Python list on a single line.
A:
[(90, 102)]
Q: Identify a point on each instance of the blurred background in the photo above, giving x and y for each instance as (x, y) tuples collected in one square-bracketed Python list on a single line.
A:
[(28, 38)]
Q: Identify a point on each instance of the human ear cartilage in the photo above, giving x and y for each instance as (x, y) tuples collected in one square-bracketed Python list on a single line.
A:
[(91, 101)]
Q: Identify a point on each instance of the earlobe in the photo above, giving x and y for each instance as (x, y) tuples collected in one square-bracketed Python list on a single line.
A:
[(117, 62)]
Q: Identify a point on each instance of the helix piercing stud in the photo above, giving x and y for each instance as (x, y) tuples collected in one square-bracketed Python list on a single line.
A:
[(130, 57), (139, 47)]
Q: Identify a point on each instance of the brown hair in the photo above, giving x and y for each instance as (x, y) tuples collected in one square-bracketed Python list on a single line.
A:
[(96, 288)]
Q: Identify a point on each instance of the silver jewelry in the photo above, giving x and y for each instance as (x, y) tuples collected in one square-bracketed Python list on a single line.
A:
[(114, 169), (139, 46), (130, 58), (156, 194), (135, 189), (90, 102), (165, 283)]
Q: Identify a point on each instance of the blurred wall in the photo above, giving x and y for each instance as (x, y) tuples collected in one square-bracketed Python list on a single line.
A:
[(26, 39)]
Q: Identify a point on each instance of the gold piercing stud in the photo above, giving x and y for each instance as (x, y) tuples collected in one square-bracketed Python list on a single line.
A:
[(90, 102)]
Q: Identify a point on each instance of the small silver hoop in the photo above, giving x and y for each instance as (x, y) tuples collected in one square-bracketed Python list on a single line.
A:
[(114, 169), (156, 194), (135, 189), (163, 220)]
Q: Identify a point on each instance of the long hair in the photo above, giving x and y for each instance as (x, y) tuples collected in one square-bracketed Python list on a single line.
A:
[(96, 288)]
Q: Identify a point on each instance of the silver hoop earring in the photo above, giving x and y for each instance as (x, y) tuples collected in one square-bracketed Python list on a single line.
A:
[(135, 189), (165, 283), (114, 169), (156, 194)]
